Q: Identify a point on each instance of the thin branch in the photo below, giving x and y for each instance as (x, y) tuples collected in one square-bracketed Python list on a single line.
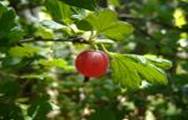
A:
[(75, 39)]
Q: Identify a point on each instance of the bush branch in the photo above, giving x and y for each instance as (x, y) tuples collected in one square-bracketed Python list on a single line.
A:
[(75, 39)]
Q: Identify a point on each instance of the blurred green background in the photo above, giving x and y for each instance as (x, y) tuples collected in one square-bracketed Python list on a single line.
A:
[(38, 80)]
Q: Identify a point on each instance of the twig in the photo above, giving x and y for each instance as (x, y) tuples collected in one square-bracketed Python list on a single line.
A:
[(86, 79), (75, 39)]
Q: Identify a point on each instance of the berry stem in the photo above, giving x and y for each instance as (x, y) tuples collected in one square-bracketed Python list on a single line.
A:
[(96, 47), (104, 48), (86, 79)]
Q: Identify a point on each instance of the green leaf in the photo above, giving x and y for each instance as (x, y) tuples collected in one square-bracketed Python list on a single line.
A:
[(147, 70), (44, 32), (84, 25), (10, 111), (124, 72), (185, 0), (10, 30), (24, 51), (114, 2), (7, 22), (102, 20), (103, 114), (179, 17), (59, 63), (59, 10), (9, 88), (2, 9), (39, 108), (118, 31), (15, 34), (52, 25), (55, 62), (159, 62), (106, 22), (87, 4), (130, 70)]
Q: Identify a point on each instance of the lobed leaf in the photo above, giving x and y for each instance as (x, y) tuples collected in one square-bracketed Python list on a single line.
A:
[(106, 23), (129, 70), (124, 72), (119, 30), (159, 62)]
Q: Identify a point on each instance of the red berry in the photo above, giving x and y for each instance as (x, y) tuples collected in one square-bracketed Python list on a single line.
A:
[(92, 63)]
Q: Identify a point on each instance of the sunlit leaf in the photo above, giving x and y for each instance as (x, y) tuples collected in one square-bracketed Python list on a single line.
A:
[(180, 19), (102, 20), (130, 70), (124, 72), (44, 32), (24, 51), (59, 63), (114, 2), (159, 62), (106, 22), (118, 31)]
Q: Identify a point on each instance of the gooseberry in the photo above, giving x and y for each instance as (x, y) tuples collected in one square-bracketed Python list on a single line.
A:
[(92, 63)]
